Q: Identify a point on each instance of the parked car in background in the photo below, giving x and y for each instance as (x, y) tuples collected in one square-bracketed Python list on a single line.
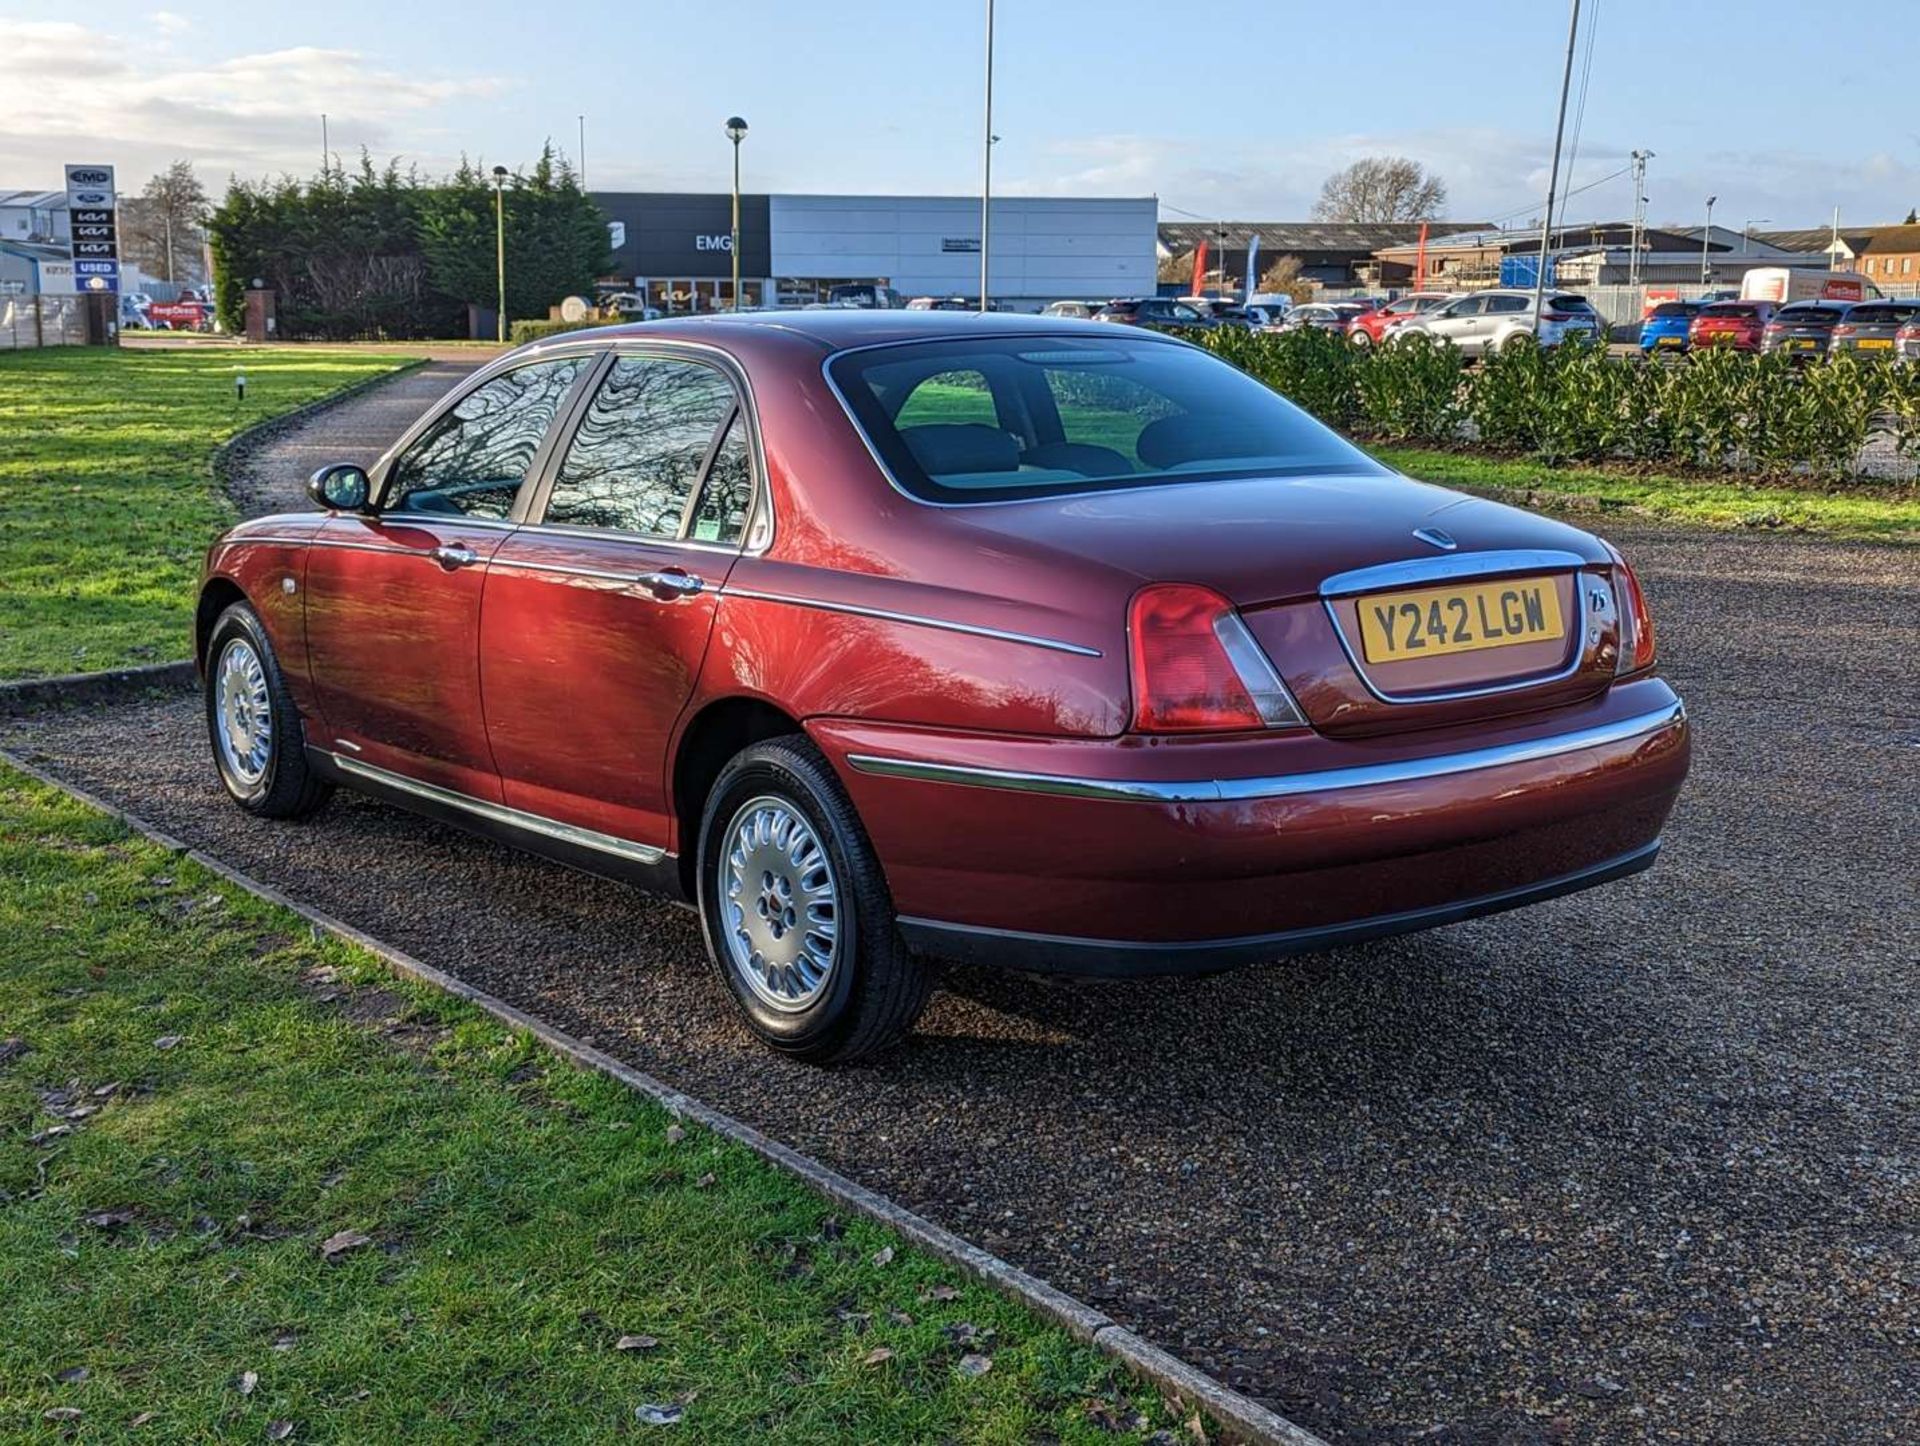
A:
[(1871, 329), (1802, 330), (865, 295), (1740, 325), (1370, 327), (1483, 322), (1071, 310), (1233, 315), (942, 303), (1665, 327), (1153, 311), (1906, 343), (1331, 316), (883, 636), (1264, 317)]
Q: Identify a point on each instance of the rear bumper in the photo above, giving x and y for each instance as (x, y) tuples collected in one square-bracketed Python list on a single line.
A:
[(1144, 856), (1121, 958)]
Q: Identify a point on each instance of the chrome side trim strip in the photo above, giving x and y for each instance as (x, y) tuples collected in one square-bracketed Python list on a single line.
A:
[(499, 813), (1289, 785), (1414, 570), (944, 624), (515, 564)]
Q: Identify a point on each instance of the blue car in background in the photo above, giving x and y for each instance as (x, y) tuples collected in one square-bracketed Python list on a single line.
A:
[(1665, 328)]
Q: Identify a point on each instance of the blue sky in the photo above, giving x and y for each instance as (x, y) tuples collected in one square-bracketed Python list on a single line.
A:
[(1091, 97)]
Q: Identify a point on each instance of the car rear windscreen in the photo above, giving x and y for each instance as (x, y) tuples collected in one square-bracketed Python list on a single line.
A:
[(1810, 315), (1002, 418), (1569, 303), (1731, 308), (1676, 308), (1879, 314)]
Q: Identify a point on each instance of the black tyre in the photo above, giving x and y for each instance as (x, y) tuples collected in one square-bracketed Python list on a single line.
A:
[(796, 911), (259, 745)]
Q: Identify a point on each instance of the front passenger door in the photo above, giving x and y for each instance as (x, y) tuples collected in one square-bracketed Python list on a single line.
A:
[(393, 597)]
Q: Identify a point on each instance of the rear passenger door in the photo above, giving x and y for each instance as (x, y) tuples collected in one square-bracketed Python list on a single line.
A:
[(599, 609)]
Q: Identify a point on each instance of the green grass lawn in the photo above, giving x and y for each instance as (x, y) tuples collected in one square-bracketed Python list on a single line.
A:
[(196, 1096), (1863, 509), (106, 506)]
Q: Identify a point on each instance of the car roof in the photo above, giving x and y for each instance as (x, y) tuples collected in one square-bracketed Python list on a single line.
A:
[(835, 330)]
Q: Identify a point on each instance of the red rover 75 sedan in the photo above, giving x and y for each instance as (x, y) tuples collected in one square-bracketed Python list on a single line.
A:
[(896, 636)]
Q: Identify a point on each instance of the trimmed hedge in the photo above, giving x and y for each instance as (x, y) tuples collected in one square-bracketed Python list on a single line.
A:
[(523, 331), (1719, 410)]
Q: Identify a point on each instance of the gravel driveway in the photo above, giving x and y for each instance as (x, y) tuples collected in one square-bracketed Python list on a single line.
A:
[(1638, 1165)]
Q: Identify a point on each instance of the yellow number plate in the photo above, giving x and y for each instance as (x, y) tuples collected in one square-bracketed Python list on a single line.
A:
[(1395, 627), (1874, 343)]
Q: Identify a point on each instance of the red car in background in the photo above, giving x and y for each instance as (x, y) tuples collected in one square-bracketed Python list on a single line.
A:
[(892, 636), (1370, 327), (1741, 325)]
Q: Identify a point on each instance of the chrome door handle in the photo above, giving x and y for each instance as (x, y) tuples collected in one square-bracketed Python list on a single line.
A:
[(670, 583), (455, 554)]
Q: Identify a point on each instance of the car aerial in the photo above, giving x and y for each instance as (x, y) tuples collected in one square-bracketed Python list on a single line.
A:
[(1371, 326), (892, 637), (1739, 325), (1803, 329), (1665, 327), (1153, 311), (1482, 322), (1330, 316), (1906, 343), (1870, 329)]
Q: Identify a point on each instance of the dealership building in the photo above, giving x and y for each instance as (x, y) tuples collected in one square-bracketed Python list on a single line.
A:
[(674, 249)]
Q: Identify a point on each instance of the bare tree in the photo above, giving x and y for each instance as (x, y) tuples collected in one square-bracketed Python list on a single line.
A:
[(164, 227), (1381, 188), (1284, 276)]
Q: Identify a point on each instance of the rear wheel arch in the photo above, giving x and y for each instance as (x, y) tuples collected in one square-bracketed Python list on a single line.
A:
[(711, 739)]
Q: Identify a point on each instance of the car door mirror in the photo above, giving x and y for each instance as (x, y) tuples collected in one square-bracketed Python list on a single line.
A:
[(340, 487)]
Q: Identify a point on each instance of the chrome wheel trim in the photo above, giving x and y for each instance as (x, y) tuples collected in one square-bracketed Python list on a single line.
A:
[(779, 904), (242, 712)]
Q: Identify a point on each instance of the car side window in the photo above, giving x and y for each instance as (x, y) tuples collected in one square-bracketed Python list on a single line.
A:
[(1184, 313), (473, 457), (1471, 306), (1501, 305), (641, 447), (727, 495)]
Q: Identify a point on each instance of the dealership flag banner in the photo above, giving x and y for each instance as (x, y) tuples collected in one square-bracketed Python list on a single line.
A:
[(1253, 253), (1199, 269)]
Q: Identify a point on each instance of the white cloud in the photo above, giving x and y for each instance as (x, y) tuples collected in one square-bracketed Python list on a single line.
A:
[(168, 22), (253, 115)]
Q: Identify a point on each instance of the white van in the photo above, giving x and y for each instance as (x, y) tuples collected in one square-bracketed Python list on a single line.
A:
[(1781, 284)]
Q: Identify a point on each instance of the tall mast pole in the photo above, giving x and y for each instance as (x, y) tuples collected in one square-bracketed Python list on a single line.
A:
[(986, 170), (1553, 172)]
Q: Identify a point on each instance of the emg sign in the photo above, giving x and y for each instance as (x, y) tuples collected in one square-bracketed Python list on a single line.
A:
[(722, 242)]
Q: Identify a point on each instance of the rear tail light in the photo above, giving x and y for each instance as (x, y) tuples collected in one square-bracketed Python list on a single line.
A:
[(1843, 330), (1636, 623), (1195, 667)]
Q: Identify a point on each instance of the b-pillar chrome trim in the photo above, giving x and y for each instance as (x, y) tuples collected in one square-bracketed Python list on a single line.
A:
[(536, 823), (1240, 790)]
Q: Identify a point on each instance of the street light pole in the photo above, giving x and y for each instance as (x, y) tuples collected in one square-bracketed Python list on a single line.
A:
[(500, 249), (736, 132), (986, 170), (1553, 172), (1706, 238), (1746, 233)]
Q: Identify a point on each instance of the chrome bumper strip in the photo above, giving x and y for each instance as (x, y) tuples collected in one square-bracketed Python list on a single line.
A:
[(1289, 785), (499, 813), (917, 619)]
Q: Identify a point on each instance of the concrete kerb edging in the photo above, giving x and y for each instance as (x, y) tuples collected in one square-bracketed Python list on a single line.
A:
[(1240, 1417), (28, 694)]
